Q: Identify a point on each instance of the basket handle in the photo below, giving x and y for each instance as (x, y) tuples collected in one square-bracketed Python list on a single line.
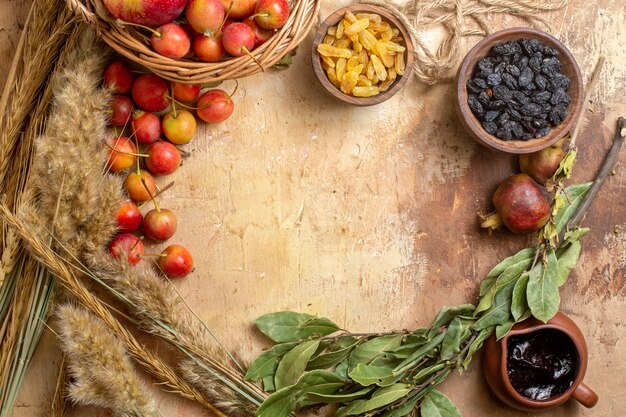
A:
[(79, 8)]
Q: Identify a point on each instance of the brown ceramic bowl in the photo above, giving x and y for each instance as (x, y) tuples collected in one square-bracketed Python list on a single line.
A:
[(333, 20), (495, 366), (481, 50)]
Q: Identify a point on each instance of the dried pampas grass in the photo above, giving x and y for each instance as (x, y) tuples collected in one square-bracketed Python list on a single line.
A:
[(101, 371)]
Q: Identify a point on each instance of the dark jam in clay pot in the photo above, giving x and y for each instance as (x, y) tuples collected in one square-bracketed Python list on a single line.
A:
[(541, 365)]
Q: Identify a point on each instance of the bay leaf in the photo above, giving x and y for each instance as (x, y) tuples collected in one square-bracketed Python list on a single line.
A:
[(526, 315), (477, 344), (446, 314), (499, 312), (342, 369), (429, 370), (370, 350), (451, 342), (511, 273), (527, 253), (293, 364), (288, 326), (576, 234), (267, 362), (367, 375), (330, 359), (402, 411), (319, 382), (338, 398), (268, 383), (576, 193), (566, 261), (435, 404), (486, 285), (519, 305), (418, 355), (503, 329), (380, 398), (543, 290), (279, 404), (486, 301), (348, 408)]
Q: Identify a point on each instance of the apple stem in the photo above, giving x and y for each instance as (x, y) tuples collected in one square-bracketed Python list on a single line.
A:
[(154, 32), (259, 15), (158, 193), (235, 90), (230, 7), (139, 239), (155, 255), (182, 104), (141, 155), (253, 58), (174, 114), (156, 205)]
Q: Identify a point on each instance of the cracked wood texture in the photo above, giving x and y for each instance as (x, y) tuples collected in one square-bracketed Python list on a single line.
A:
[(368, 215)]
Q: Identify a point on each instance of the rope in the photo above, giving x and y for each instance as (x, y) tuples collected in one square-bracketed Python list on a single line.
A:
[(435, 65)]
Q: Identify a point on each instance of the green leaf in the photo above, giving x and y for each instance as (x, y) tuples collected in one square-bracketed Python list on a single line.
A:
[(486, 285), (451, 343), (447, 314), (486, 300), (380, 398), (435, 404), (293, 364), (519, 305), (543, 290), (283, 402), (366, 375), (338, 398), (477, 344), (576, 234), (268, 383), (576, 193), (328, 360), (510, 274), (370, 350), (499, 312), (285, 62), (503, 329), (528, 253), (402, 411), (418, 355), (567, 259), (348, 408), (429, 371), (267, 362), (287, 326), (342, 369), (526, 315)]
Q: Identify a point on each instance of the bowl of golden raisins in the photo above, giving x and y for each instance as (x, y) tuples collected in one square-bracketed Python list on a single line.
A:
[(362, 54)]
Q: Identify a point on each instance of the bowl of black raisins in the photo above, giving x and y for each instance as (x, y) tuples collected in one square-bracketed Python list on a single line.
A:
[(519, 90)]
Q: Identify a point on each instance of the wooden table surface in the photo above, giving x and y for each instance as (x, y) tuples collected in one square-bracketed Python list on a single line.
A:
[(368, 215)]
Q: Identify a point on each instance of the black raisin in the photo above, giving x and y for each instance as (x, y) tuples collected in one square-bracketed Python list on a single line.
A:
[(541, 81), (527, 135), (480, 83), (557, 97), (523, 63), (541, 96), (535, 64), (554, 117), (490, 127), (542, 132), (507, 48), (550, 66), (513, 70), (503, 119), (497, 104), (475, 105), (561, 80), (485, 64), (484, 98), (499, 69), (494, 79), (547, 50), (525, 78), (530, 87), (515, 115), (473, 88), (504, 133), (491, 115), (520, 97), (501, 92), (531, 109), (539, 123), (509, 81), (517, 129)]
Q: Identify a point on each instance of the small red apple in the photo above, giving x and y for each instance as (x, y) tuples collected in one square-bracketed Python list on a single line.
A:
[(179, 128), (241, 8), (163, 158), (208, 48), (127, 245), (205, 16), (135, 186), (149, 93), (146, 12), (159, 224), (271, 14), (175, 261), (215, 106), (146, 127), (128, 218), (238, 39), (173, 43), (260, 35), (186, 92), (121, 154), (118, 77), (121, 110)]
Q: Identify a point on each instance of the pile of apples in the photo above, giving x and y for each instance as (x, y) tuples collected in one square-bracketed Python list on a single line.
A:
[(204, 29), (149, 132)]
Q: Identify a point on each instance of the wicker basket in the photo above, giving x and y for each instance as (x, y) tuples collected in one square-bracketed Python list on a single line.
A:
[(134, 45)]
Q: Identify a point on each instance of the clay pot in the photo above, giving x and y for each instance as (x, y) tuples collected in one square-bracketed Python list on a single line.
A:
[(494, 364)]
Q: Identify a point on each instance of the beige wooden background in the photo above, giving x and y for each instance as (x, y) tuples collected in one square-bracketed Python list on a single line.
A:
[(368, 216)]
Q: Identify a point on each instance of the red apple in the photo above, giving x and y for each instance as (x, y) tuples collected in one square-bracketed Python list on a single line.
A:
[(260, 35), (176, 261), (146, 127), (118, 77), (159, 224), (121, 108), (271, 14), (121, 154), (173, 43), (146, 12), (127, 245), (227, 23), (215, 106), (241, 8), (163, 158), (205, 16), (149, 93), (128, 217), (238, 39), (208, 48), (179, 128), (135, 186), (186, 92)]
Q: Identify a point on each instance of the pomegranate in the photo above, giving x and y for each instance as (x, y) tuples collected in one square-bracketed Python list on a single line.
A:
[(542, 165), (522, 205)]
